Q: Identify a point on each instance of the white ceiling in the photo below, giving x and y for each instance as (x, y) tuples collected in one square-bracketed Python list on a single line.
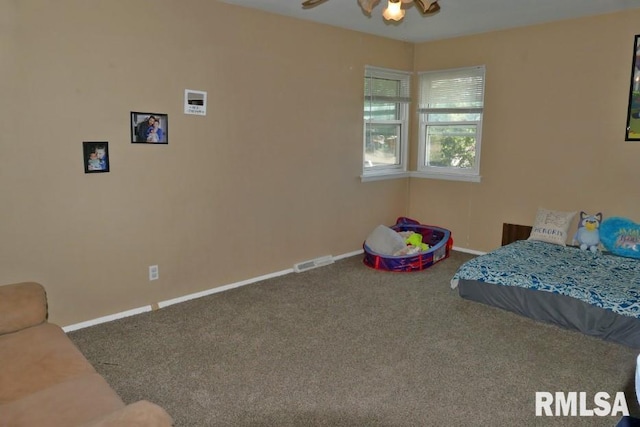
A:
[(456, 17)]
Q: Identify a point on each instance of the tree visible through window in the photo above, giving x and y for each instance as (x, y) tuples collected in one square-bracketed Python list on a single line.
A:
[(456, 151)]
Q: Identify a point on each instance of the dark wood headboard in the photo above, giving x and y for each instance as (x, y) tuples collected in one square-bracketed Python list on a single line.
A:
[(513, 232)]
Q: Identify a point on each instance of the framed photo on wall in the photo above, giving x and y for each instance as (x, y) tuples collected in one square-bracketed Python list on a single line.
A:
[(633, 110), (96, 157), (149, 128)]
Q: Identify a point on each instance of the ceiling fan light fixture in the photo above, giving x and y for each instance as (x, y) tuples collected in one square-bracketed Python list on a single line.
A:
[(393, 12), (395, 8)]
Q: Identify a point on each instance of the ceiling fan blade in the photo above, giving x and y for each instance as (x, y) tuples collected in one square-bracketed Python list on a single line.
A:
[(430, 9), (312, 3), (368, 5)]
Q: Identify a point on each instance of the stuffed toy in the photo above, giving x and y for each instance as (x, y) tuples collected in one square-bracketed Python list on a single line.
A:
[(588, 235), (416, 241), (413, 243)]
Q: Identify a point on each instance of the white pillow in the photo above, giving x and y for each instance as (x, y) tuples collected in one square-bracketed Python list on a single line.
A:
[(385, 241), (552, 226)]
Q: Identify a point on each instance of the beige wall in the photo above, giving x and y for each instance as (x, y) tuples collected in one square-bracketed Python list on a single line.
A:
[(268, 178), (553, 132)]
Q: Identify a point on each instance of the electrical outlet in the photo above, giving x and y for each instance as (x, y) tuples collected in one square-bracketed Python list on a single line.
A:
[(154, 272)]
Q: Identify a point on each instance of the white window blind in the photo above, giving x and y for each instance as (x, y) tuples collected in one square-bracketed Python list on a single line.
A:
[(385, 86), (459, 90)]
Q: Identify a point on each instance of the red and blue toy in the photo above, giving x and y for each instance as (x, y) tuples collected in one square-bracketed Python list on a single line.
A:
[(438, 239)]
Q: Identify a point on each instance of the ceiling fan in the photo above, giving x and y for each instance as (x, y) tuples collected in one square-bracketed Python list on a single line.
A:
[(393, 10)]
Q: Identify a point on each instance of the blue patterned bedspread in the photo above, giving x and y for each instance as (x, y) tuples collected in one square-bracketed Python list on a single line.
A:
[(603, 280)]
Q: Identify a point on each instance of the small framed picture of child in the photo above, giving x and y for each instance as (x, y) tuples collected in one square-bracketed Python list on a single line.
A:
[(149, 128), (96, 157)]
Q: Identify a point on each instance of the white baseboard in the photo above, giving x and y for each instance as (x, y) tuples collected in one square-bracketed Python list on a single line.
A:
[(348, 255), (223, 288), (188, 297), (108, 318), (216, 290), (468, 251)]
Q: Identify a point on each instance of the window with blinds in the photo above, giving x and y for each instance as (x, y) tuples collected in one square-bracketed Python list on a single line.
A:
[(450, 108), (387, 94)]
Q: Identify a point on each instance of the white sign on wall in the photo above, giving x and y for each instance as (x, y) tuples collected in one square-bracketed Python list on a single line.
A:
[(195, 102)]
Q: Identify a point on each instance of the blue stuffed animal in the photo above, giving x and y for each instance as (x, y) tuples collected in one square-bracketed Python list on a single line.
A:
[(588, 235)]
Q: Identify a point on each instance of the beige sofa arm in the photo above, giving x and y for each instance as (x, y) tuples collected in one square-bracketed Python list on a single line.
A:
[(139, 414), (22, 305)]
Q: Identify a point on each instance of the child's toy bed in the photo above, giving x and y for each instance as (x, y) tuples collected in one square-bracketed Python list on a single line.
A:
[(438, 239), (595, 293)]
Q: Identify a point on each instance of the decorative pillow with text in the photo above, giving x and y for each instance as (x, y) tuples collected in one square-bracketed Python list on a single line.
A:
[(552, 226)]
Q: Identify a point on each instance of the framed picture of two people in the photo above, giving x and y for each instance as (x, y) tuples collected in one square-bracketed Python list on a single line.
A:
[(149, 128), (96, 156)]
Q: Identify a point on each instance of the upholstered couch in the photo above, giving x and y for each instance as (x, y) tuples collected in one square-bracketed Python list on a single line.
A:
[(46, 381)]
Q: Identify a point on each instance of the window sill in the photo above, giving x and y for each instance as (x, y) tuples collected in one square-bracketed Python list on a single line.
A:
[(446, 176), (384, 176)]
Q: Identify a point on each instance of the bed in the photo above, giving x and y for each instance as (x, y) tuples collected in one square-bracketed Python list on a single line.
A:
[(595, 293)]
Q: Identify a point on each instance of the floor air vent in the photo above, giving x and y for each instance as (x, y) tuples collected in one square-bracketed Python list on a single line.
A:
[(312, 263)]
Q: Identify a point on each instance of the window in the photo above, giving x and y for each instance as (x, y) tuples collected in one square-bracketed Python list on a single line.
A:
[(386, 109), (451, 109)]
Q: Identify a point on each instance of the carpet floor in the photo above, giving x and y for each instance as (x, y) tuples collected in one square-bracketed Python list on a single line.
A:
[(346, 345)]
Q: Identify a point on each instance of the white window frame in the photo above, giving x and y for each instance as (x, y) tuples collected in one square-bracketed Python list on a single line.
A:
[(398, 170), (424, 170)]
